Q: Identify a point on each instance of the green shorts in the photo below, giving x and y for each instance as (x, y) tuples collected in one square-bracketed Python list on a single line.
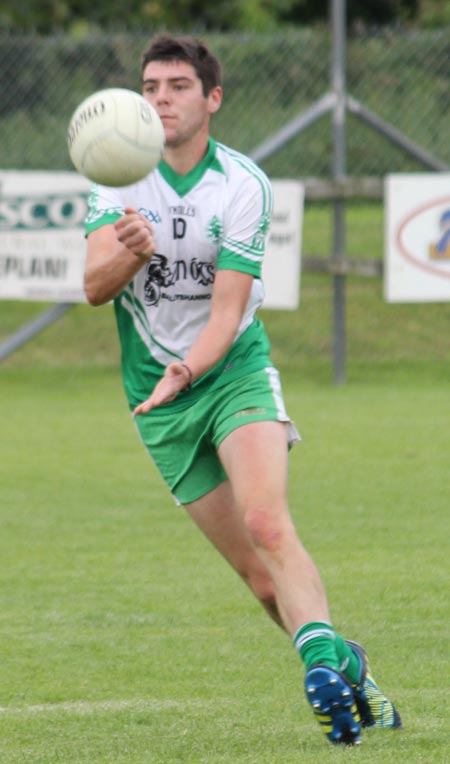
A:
[(183, 444)]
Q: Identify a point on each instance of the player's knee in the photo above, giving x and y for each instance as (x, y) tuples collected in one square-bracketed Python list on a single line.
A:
[(265, 529)]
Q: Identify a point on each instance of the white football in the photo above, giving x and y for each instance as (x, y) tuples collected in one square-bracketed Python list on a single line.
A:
[(115, 137)]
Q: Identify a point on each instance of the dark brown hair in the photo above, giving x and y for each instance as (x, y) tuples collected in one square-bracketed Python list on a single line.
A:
[(193, 52)]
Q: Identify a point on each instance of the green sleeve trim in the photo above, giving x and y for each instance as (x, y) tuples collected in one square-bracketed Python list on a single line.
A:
[(229, 261), (103, 220)]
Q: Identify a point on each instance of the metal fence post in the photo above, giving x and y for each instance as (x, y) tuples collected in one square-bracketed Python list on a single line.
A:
[(33, 328), (339, 172)]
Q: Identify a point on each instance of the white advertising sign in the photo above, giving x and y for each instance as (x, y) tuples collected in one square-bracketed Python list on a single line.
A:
[(281, 264), (417, 237), (43, 249)]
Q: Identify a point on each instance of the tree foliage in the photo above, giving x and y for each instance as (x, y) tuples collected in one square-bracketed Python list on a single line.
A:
[(81, 16)]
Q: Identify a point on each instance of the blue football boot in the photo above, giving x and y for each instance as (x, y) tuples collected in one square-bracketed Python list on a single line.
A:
[(375, 709), (331, 698)]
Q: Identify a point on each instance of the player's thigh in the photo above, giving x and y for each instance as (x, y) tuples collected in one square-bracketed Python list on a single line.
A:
[(255, 457), (218, 518)]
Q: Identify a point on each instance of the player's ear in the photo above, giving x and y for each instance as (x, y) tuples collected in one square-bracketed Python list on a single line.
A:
[(214, 99)]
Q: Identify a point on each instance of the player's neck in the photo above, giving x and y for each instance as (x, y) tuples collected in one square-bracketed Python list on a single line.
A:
[(182, 159)]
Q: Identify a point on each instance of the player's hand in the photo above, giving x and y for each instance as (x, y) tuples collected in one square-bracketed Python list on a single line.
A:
[(136, 234), (175, 379)]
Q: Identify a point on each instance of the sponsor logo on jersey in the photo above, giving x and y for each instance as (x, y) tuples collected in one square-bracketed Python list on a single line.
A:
[(160, 275)]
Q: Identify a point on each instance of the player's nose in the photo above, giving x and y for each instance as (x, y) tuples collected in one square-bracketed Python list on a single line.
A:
[(163, 94)]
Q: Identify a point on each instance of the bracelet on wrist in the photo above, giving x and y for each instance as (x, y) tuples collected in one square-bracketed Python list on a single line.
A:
[(189, 384)]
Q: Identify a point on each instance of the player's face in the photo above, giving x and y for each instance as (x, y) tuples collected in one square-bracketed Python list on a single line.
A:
[(175, 90)]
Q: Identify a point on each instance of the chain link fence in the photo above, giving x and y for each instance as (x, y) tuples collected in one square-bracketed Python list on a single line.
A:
[(403, 77)]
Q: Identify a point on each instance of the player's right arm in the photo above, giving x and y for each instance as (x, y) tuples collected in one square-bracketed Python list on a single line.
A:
[(115, 253)]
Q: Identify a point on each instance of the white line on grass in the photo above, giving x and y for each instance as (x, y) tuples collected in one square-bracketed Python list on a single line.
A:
[(82, 707)]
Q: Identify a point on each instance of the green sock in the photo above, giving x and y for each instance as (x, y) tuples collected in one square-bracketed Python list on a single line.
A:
[(315, 643), (350, 663)]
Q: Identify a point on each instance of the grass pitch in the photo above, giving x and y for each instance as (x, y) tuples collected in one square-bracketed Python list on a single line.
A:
[(125, 639)]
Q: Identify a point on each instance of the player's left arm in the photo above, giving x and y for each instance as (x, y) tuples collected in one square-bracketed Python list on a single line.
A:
[(229, 298), (239, 262)]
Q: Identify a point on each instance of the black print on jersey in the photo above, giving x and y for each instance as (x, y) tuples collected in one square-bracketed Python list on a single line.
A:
[(179, 228), (160, 275)]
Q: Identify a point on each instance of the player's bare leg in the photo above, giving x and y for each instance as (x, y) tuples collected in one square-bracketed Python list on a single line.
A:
[(256, 533), (255, 458), (219, 520), (249, 522)]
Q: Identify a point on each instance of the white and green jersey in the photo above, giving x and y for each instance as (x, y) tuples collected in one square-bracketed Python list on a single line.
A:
[(215, 217)]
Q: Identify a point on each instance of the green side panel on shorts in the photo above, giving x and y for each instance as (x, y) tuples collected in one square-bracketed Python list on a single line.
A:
[(140, 371)]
